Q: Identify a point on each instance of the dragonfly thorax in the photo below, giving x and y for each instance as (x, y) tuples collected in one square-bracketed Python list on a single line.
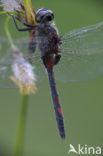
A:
[(49, 42)]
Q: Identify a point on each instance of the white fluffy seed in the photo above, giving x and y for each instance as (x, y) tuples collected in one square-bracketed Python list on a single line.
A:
[(11, 5)]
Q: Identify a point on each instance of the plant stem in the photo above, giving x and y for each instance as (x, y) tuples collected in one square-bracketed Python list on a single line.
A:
[(18, 146), (10, 12), (8, 33)]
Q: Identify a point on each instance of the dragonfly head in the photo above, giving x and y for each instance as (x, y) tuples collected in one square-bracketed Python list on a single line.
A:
[(44, 15)]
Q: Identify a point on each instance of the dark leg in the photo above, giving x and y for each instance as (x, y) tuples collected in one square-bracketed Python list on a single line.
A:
[(57, 59), (26, 24), (24, 29)]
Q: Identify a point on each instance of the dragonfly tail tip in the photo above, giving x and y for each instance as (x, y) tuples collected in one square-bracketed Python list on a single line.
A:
[(63, 136)]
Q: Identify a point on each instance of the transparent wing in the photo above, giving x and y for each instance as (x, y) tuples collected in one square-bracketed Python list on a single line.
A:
[(34, 58), (6, 61), (82, 54)]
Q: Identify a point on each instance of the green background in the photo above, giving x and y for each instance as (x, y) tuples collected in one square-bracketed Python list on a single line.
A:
[(82, 102)]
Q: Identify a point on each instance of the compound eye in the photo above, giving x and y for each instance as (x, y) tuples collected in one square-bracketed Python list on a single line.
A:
[(49, 18), (52, 16), (39, 18), (44, 15)]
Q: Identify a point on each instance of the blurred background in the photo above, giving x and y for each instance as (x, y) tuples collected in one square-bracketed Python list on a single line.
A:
[(82, 102)]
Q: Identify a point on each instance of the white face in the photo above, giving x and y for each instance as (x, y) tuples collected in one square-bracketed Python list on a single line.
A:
[(43, 15)]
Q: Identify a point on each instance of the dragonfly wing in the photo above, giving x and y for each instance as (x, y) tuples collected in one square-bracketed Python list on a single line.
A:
[(6, 61), (34, 58), (82, 54), (5, 64)]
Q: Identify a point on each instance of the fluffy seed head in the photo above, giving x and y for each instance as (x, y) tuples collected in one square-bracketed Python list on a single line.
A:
[(24, 76), (11, 5)]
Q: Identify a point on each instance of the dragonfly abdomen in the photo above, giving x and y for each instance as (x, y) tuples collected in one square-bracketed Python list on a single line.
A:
[(49, 47), (56, 103)]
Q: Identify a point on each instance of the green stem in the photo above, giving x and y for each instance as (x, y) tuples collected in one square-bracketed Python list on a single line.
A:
[(8, 33), (18, 146), (10, 12)]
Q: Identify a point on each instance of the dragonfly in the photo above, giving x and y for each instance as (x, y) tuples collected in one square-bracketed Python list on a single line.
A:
[(76, 56)]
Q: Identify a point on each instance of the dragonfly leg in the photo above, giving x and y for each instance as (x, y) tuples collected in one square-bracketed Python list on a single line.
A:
[(23, 29), (57, 59), (22, 21)]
